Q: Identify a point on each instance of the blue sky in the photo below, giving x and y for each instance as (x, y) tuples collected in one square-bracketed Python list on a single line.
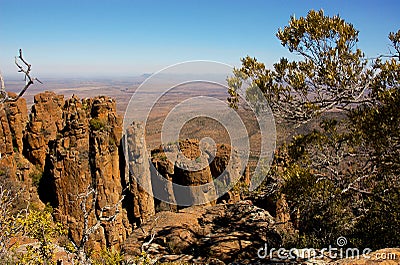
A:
[(107, 38)]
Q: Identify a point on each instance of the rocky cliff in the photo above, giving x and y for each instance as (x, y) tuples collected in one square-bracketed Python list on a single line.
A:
[(137, 174), (13, 117), (82, 170), (15, 169), (69, 153), (45, 122)]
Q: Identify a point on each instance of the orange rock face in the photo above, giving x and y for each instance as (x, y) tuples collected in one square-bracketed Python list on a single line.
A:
[(70, 154), (73, 147), (46, 120), (84, 156), (13, 118), (193, 165)]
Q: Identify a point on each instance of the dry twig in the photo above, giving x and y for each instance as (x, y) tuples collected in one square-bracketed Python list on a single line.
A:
[(23, 67)]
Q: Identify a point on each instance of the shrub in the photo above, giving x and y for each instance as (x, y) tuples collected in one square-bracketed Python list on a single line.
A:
[(36, 177), (39, 225), (109, 256), (97, 124)]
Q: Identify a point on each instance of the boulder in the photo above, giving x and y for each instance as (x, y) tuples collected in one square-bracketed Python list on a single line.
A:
[(224, 232)]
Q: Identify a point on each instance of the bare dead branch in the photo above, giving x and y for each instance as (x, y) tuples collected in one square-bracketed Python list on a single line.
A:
[(25, 68), (88, 201), (152, 235)]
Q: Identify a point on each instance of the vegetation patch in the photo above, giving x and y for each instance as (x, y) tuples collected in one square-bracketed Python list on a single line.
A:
[(97, 124), (36, 176)]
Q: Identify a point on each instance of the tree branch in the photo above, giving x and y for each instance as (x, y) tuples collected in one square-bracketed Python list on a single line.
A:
[(25, 68), (89, 229)]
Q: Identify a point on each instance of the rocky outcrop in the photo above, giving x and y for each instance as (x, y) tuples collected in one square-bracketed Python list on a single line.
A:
[(137, 173), (69, 167), (191, 163), (15, 169), (13, 119), (17, 116), (163, 168), (70, 153), (74, 152), (226, 166), (46, 120), (227, 232), (6, 145), (191, 170), (83, 165), (104, 144)]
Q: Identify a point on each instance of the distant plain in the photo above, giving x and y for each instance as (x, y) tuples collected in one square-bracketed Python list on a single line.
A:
[(122, 89)]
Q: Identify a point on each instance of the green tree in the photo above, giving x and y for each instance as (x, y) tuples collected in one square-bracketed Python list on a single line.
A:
[(378, 125), (330, 75), (343, 176)]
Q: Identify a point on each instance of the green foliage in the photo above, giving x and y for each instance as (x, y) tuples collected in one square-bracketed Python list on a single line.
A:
[(36, 177), (97, 124), (324, 214), (109, 256), (163, 157), (143, 259), (325, 182), (343, 177), (241, 188), (331, 74), (48, 208), (40, 226), (378, 125), (307, 33), (85, 105), (383, 215), (9, 223)]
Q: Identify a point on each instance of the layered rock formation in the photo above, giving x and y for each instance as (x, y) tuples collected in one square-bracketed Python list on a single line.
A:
[(70, 152), (74, 148), (15, 169), (83, 171), (137, 174), (190, 163), (75, 160), (13, 119), (44, 124)]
